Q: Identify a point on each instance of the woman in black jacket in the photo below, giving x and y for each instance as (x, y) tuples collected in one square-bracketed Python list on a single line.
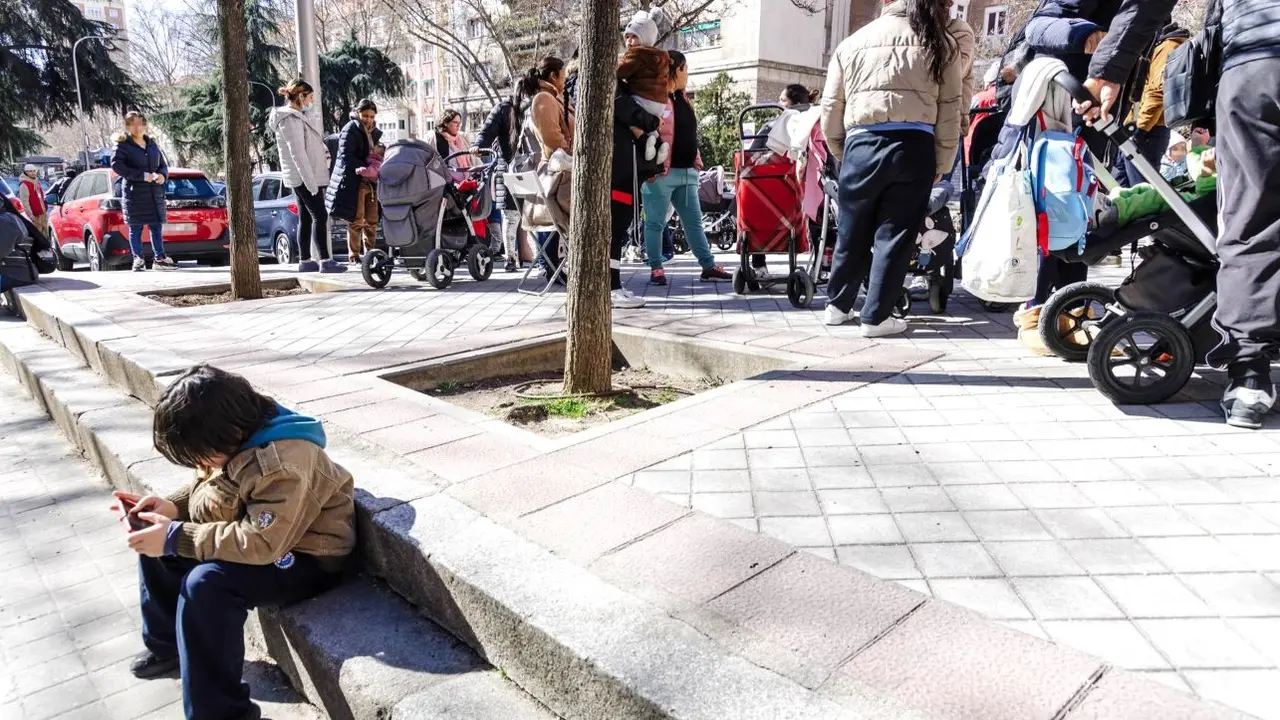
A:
[(144, 174), (355, 143), (501, 130)]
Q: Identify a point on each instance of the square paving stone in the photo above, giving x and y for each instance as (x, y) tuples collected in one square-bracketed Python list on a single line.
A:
[(1017, 472), (584, 527), (1006, 525), (901, 475), (1262, 633), (1201, 643), (964, 473), (983, 497), (851, 501), (823, 437), (1229, 519), (934, 527), (936, 659), (711, 481), (775, 458), (993, 597), (526, 487), (696, 558), (1261, 552), (889, 562), (1050, 496), (724, 505), (1034, 559), (769, 504), (780, 480), (1116, 641), (916, 499), (1154, 596), (832, 457), (1160, 521), (863, 529), (1194, 554), (1080, 524), (798, 531), (472, 456), (59, 699), (719, 459), (1113, 557), (959, 559), (1253, 691), (664, 481), (1066, 598), (764, 439), (840, 477), (819, 610), (1237, 594), (888, 454)]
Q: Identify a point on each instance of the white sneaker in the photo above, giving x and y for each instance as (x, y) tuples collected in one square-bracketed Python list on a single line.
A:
[(891, 326), (1245, 407), (624, 299), (835, 316)]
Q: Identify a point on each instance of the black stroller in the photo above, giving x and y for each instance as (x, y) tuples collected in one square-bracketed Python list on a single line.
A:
[(1143, 341)]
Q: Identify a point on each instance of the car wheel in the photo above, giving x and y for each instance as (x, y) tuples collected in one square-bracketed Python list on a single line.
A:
[(65, 263), (283, 249), (94, 253)]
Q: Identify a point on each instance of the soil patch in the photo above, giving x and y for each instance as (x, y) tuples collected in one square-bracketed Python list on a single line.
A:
[(197, 299), (531, 402)]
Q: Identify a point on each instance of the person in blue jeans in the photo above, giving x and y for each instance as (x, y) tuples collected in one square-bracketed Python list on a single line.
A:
[(678, 185), (144, 177)]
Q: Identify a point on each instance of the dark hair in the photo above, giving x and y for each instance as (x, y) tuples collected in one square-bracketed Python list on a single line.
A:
[(678, 60), (798, 94), (296, 89), (447, 117), (133, 115), (928, 19), (530, 84), (208, 412), (366, 104)]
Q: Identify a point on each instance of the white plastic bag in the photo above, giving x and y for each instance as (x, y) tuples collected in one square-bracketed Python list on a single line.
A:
[(1000, 252)]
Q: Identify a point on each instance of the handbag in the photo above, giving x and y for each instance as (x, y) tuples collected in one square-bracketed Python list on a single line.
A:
[(1000, 251), (1191, 75)]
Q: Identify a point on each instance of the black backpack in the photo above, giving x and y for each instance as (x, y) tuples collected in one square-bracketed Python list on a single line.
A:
[(1191, 75)]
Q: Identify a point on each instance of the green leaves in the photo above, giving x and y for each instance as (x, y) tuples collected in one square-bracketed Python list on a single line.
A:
[(718, 105), (351, 72)]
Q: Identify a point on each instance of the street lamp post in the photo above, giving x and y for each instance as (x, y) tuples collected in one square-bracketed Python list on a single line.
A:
[(308, 57), (75, 70), (270, 93)]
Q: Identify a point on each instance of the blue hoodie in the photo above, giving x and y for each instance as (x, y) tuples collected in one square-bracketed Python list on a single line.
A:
[(286, 425)]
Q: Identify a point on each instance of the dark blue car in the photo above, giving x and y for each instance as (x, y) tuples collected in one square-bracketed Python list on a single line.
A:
[(275, 212)]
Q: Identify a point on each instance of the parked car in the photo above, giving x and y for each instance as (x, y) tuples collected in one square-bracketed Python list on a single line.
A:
[(275, 211), (87, 224), (10, 194)]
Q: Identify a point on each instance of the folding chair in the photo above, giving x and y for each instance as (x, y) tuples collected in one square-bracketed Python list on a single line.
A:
[(528, 187)]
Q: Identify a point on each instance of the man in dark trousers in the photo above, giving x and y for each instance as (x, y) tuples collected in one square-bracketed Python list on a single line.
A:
[(1248, 146)]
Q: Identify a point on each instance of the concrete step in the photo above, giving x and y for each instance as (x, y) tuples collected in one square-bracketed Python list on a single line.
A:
[(358, 652)]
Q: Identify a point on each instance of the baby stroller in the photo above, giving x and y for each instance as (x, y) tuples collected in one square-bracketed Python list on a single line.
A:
[(770, 214), (1142, 341), (719, 216), (986, 118), (434, 217), (933, 262)]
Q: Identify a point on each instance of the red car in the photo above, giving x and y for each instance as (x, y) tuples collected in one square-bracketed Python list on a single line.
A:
[(87, 224)]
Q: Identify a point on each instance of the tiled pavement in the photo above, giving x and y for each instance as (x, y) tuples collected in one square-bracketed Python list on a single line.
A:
[(1000, 481), (68, 589)]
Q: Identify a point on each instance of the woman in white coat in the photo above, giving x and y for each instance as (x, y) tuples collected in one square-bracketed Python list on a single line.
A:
[(306, 172)]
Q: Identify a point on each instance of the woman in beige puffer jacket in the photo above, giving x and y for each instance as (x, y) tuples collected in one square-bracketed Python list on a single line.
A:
[(892, 111)]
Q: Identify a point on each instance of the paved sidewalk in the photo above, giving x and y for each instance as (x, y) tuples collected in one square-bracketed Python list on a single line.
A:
[(69, 595), (1149, 536)]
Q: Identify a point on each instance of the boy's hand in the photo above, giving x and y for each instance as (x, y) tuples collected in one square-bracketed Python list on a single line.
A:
[(150, 541), (159, 506), (122, 495)]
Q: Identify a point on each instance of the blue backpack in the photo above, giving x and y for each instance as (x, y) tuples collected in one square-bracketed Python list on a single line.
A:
[(1062, 185)]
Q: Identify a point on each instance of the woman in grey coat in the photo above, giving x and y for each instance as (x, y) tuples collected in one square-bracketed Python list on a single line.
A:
[(302, 161)]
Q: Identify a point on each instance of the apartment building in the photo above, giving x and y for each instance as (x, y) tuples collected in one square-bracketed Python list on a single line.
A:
[(113, 13)]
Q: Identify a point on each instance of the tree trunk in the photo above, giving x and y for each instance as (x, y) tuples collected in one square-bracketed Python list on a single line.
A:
[(246, 283), (589, 355)]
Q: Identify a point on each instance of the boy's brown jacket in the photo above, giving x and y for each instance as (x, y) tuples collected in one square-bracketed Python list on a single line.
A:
[(285, 496)]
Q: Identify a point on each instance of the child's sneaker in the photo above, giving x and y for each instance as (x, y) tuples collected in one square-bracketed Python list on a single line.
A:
[(664, 152), (307, 266), (658, 276), (716, 273), (651, 146), (891, 326), (164, 263), (624, 299)]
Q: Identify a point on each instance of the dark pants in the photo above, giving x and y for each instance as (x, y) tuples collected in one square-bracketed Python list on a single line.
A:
[(1153, 143), (197, 611), (1054, 274), (622, 220), (549, 244), (885, 179), (313, 223), (1248, 316)]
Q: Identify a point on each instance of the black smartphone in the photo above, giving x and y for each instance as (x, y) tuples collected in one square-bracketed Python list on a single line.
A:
[(128, 507)]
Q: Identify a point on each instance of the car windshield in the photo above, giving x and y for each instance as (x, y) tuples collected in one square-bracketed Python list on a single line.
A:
[(182, 188), (5, 190)]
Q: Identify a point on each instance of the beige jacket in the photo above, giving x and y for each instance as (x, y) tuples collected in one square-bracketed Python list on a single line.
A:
[(287, 496), (880, 74), (550, 123)]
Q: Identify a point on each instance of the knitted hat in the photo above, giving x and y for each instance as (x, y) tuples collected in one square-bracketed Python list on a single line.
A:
[(643, 27), (30, 168)]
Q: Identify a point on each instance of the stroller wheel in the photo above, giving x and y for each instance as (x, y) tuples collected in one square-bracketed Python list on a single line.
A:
[(375, 268), (800, 289), (1141, 359), (439, 270), (1072, 316), (938, 294), (479, 263), (903, 307), (739, 281), (725, 240), (418, 274), (995, 307)]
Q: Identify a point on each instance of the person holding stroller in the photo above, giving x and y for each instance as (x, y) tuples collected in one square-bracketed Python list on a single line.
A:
[(144, 174), (351, 196), (1248, 164), (501, 130), (891, 109)]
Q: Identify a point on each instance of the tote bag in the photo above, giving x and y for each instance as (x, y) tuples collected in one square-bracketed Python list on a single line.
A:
[(1000, 251)]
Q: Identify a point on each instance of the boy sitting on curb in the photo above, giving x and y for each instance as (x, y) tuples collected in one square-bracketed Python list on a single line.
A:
[(269, 520)]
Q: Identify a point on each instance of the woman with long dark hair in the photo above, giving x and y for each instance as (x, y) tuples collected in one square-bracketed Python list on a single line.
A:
[(552, 124), (891, 109)]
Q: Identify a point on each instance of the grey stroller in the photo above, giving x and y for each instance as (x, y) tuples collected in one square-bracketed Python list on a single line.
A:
[(434, 217)]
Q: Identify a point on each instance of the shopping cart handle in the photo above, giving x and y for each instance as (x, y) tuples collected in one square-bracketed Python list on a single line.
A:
[(742, 117), (1075, 88)]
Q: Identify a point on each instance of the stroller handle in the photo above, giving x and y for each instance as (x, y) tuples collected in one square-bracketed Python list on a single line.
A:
[(487, 155), (742, 118), (1075, 88)]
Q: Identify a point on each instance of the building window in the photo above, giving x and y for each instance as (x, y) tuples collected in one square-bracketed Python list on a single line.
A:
[(995, 21), (701, 36), (401, 124), (93, 13), (960, 10), (428, 87), (475, 28)]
